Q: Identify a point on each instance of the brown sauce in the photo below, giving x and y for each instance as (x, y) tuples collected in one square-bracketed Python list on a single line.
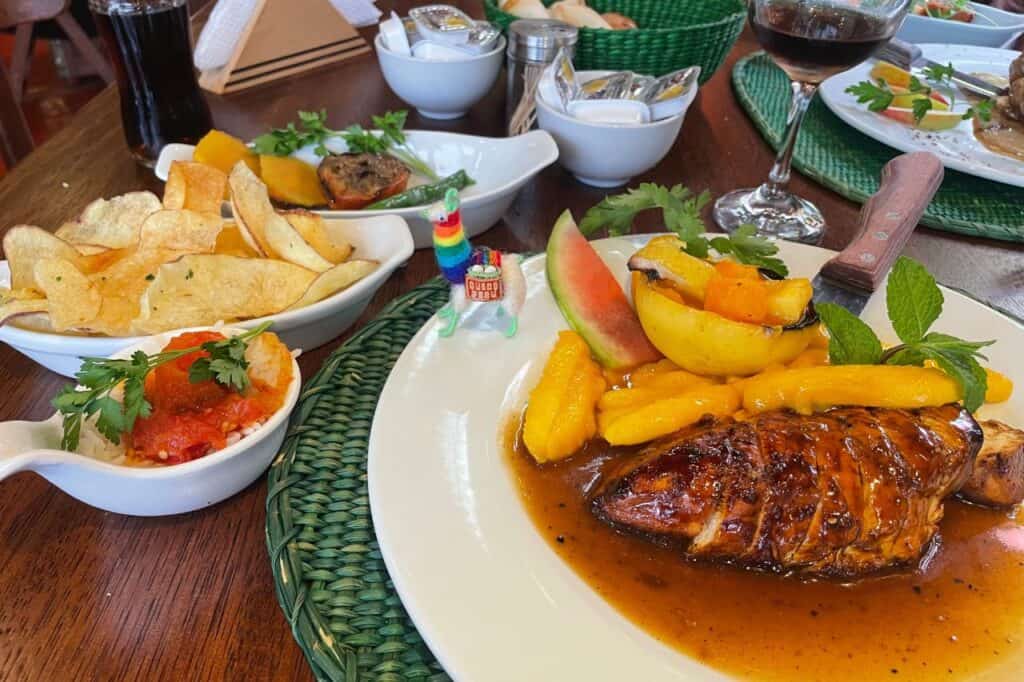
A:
[(1001, 135), (960, 615)]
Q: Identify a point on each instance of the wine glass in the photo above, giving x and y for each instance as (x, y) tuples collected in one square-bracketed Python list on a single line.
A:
[(810, 40)]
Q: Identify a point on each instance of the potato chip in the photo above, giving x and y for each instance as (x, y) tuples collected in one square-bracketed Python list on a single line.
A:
[(313, 229), (339, 277), (25, 245), (73, 299), (113, 223), (270, 362), (121, 286), (287, 244), (102, 259), (204, 289), (87, 249), (34, 321), (251, 205), (230, 243), (185, 231), (22, 307), (195, 187)]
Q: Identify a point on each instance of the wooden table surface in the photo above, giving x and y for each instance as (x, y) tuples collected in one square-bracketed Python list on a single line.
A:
[(92, 595)]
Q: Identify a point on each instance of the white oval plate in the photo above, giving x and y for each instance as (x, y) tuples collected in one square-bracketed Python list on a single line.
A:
[(958, 147), (385, 239), (499, 165), (991, 27), (489, 596)]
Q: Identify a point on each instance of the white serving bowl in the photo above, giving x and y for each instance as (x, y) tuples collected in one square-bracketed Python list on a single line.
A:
[(382, 238), (440, 89), (991, 28), (146, 491), (499, 165), (609, 154)]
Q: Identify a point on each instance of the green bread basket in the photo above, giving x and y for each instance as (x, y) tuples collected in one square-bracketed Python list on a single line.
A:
[(672, 35)]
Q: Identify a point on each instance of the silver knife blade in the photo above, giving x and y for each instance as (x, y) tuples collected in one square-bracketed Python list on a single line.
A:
[(907, 56), (886, 220)]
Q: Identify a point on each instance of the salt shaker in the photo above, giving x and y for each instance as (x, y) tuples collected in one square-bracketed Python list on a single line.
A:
[(532, 45)]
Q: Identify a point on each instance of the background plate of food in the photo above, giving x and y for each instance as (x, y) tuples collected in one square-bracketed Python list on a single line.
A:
[(960, 22), (193, 444), (356, 173), (486, 547), (943, 130), (136, 265)]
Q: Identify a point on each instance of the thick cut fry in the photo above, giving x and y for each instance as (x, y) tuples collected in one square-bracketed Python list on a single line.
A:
[(71, 298), (195, 187), (560, 415), (313, 229), (25, 245), (113, 223), (668, 416), (336, 279), (184, 230), (813, 389), (204, 289)]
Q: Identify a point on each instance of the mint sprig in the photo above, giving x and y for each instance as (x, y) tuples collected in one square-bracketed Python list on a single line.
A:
[(914, 301), (681, 210)]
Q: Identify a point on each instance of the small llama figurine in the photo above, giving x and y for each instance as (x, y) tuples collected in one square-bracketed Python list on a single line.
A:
[(483, 275)]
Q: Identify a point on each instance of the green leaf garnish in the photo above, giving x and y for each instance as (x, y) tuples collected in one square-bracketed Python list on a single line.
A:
[(921, 107), (98, 377), (878, 96), (914, 301), (938, 73), (681, 211)]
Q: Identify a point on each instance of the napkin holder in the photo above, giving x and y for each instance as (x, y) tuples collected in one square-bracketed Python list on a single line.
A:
[(285, 38)]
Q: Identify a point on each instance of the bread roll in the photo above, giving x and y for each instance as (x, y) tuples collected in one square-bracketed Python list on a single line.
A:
[(619, 22), (526, 9), (577, 15)]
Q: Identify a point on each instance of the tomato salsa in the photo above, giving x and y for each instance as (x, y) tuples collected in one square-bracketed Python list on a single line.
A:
[(191, 420)]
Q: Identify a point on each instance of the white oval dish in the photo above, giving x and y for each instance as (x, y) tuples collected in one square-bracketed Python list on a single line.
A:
[(383, 238), (609, 154), (991, 27), (146, 491), (957, 148), (441, 481), (499, 165), (440, 89)]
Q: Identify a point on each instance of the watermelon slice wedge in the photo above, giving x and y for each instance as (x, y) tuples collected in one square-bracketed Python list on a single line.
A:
[(592, 301)]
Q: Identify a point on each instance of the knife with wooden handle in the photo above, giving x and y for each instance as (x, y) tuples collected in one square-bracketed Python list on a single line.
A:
[(907, 186)]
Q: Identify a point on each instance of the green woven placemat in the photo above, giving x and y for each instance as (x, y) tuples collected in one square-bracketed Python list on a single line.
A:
[(328, 571), (849, 162)]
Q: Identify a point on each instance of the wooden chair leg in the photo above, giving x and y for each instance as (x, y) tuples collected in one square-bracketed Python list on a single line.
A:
[(19, 58), (15, 138), (85, 45)]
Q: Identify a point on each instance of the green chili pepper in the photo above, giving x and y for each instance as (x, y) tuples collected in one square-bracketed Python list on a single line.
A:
[(424, 194)]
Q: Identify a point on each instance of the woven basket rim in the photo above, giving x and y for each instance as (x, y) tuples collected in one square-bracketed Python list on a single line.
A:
[(586, 30)]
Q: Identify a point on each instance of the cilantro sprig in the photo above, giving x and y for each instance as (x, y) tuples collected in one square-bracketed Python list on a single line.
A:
[(98, 377), (914, 301), (878, 96), (681, 209), (386, 138)]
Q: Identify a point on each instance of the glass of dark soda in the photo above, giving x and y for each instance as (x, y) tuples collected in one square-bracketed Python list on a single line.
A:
[(150, 44)]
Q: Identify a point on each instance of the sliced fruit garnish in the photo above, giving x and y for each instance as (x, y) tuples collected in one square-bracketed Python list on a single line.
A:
[(933, 120), (664, 258)]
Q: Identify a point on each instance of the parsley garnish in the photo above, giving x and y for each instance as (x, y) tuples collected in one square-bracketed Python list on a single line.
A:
[(681, 212), (914, 302), (312, 129), (878, 96), (226, 365)]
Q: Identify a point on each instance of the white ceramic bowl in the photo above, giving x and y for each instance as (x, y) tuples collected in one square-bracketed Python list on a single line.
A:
[(383, 238), (499, 165), (438, 89), (145, 491), (609, 154), (991, 28)]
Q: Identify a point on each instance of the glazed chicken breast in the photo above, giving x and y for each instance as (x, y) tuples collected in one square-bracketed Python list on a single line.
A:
[(843, 493)]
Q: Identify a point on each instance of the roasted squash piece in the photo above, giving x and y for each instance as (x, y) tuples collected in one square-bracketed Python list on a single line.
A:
[(292, 181), (223, 151)]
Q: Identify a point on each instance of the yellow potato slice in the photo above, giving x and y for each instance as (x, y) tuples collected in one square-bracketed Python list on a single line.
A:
[(25, 245), (313, 229), (340, 277), (204, 289), (184, 230), (113, 223), (195, 187), (72, 298)]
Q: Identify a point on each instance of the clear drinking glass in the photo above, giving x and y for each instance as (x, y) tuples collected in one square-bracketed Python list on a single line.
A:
[(810, 40)]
